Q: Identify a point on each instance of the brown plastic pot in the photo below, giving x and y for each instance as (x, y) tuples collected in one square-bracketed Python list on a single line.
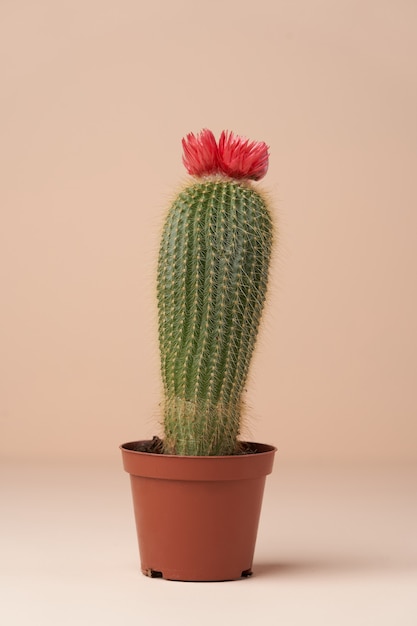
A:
[(197, 516)]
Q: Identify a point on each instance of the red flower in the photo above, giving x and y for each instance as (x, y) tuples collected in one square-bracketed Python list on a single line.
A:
[(201, 155), (235, 156), (241, 158)]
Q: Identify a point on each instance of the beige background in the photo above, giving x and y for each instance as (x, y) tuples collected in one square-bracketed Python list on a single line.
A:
[(95, 97)]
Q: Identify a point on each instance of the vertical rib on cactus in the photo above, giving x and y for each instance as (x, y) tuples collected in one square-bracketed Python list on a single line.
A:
[(212, 278)]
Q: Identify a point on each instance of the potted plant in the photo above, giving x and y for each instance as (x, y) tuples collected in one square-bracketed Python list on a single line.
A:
[(197, 491)]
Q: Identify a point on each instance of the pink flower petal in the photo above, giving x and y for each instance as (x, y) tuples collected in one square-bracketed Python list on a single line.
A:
[(200, 155), (241, 158)]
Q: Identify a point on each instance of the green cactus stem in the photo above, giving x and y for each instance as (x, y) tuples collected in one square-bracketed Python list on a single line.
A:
[(212, 280)]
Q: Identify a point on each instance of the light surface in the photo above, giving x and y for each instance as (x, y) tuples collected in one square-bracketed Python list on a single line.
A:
[(337, 546)]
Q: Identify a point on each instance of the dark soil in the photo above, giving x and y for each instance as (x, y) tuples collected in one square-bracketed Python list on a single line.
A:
[(154, 446)]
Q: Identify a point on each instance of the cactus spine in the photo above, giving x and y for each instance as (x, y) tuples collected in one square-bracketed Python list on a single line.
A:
[(212, 279)]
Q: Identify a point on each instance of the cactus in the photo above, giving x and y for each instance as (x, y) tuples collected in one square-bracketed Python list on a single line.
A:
[(212, 278)]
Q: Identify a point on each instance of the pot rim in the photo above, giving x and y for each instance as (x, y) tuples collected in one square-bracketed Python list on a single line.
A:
[(198, 468), (268, 449)]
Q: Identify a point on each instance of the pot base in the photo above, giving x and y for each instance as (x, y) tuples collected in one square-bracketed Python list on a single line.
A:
[(155, 574)]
